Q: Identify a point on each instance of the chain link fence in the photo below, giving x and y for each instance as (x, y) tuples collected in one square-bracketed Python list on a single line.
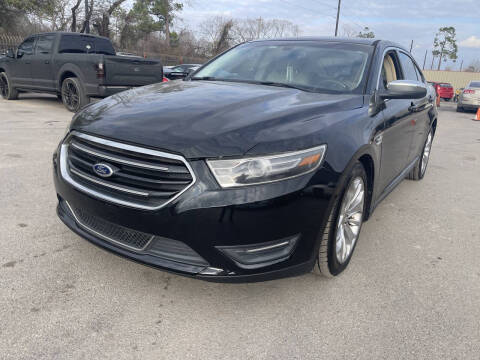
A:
[(9, 41)]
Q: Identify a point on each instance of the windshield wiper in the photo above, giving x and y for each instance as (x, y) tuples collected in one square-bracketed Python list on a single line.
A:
[(211, 78), (291, 86)]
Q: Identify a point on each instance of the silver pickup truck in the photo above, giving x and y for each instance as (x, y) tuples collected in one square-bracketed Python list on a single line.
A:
[(74, 66)]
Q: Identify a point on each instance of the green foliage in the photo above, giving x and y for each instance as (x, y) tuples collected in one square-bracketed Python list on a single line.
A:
[(445, 45), (366, 33)]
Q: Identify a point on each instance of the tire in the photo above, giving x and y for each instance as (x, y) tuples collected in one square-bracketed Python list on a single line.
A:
[(418, 171), (73, 94), (330, 260), (447, 99), (7, 91), (459, 109)]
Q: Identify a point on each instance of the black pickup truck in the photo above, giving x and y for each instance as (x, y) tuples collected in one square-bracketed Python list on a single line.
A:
[(74, 66)]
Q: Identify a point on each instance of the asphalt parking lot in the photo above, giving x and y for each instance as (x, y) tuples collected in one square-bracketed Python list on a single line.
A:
[(412, 290)]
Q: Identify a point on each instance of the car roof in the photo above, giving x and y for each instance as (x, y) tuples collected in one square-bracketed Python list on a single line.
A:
[(352, 40), (69, 33)]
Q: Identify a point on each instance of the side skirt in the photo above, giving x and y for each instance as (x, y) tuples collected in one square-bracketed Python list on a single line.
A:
[(393, 184)]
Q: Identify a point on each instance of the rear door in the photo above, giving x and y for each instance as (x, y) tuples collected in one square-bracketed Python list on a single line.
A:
[(42, 67), (419, 120), (21, 71)]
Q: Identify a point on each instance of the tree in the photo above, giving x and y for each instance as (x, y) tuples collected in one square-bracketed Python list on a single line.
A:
[(445, 45), (366, 33), (165, 11), (474, 66), (102, 23), (252, 29), (73, 26), (216, 33)]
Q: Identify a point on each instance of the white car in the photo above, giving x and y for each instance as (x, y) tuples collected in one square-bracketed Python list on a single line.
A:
[(469, 98)]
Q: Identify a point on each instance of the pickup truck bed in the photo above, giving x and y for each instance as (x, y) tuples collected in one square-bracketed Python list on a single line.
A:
[(74, 66)]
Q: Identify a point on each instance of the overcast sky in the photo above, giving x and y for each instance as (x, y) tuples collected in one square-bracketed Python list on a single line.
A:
[(397, 20)]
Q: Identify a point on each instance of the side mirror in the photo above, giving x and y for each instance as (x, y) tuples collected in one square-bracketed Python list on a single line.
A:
[(404, 89), (19, 54)]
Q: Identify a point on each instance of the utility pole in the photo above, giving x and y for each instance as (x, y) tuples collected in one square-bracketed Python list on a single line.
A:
[(411, 46), (424, 60), (461, 66), (87, 22), (433, 59), (338, 17)]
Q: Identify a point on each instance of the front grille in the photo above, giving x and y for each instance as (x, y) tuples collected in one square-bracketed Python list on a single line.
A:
[(112, 232), (168, 249), (138, 177)]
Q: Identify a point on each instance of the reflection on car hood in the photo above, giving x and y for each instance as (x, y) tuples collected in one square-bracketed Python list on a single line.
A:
[(211, 119)]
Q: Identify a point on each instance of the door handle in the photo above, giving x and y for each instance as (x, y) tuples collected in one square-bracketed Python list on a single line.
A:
[(47, 61), (27, 62), (415, 107)]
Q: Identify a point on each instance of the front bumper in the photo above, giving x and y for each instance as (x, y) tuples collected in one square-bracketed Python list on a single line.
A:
[(207, 219)]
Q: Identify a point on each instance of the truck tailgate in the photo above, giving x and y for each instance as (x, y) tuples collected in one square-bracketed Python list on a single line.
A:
[(130, 71)]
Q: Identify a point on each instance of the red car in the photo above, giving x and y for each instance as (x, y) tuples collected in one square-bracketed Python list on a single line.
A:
[(445, 90)]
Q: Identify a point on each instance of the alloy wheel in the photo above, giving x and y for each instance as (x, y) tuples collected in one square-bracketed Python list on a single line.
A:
[(350, 219), (70, 95), (3, 86), (426, 152)]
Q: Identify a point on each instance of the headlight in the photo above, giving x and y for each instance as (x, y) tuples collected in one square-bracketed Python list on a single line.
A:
[(264, 169)]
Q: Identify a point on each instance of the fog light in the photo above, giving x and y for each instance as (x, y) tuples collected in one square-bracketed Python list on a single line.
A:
[(260, 255)]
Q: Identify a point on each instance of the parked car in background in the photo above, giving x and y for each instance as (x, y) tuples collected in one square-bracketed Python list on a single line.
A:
[(180, 71), (75, 67), (263, 164), (469, 99), (444, 90)]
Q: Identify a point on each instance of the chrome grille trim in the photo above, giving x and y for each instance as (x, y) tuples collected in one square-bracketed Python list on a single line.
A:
[(109, 157), (135, 149), (106, 184)]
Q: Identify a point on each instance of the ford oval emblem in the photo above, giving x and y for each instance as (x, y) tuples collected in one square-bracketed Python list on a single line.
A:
[(103, 170)]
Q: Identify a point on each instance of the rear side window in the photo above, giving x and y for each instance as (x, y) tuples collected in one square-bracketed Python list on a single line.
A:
[(104, 46), (83, 44), (446, 85), (27, 46), (408, 67), (44, 44), (475, 84)]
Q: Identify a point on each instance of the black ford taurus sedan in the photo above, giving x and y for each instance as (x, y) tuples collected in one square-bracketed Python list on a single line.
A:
[(263, 163)]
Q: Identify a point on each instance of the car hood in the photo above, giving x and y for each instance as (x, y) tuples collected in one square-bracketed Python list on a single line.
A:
[(213, 119)]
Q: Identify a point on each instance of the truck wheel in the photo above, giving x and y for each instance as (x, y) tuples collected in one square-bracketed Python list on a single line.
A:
[(73, 95), (7, 91), (342, 230)]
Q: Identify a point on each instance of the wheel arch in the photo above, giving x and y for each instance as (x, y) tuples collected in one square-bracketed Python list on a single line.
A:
[(368, 155), (69, 70)]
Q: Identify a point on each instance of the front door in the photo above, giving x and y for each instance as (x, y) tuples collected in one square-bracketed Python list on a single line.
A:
[(397, 133), (21, 69)]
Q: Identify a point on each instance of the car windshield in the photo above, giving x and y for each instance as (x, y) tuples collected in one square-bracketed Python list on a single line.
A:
[(306, 65), (475, 84)]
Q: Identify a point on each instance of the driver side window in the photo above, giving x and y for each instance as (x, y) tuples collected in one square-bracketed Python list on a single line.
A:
[(27, 46), (389, 70)]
